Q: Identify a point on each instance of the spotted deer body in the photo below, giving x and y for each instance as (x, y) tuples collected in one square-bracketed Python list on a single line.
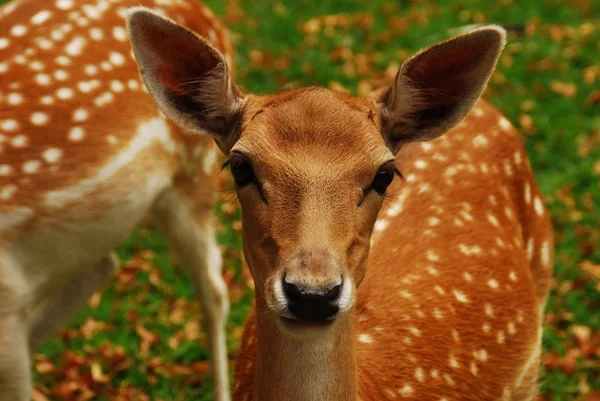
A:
[(399, 244), (457, 279), (84, 155)]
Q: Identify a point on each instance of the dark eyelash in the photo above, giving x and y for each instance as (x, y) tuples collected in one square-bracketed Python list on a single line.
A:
[(398, 173)]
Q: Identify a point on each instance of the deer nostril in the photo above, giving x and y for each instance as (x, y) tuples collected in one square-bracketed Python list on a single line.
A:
[(292, 291), (333, 293), (310, 304)]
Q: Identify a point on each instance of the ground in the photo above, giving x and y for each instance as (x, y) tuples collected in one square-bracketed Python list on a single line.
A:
[(142, 338)]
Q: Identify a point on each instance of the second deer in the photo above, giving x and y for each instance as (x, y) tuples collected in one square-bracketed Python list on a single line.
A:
[(447, 302), (84, 156)]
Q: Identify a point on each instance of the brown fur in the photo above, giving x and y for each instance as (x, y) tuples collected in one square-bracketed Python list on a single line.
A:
[(459, 263), (74, 186)]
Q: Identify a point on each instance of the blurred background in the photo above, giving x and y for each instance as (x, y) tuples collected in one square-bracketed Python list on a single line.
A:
[(142, 338)]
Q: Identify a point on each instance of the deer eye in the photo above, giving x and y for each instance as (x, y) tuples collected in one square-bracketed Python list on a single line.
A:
[(383, 178), (241, 170)]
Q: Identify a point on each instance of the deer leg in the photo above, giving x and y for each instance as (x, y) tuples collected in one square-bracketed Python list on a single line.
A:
[(191, 233), (15, 378), (62, 307)]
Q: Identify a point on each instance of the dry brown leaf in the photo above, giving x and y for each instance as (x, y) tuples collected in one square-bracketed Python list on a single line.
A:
[(563, 88)]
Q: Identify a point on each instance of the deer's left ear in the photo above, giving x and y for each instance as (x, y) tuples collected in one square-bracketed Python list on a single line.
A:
[(436, 88)]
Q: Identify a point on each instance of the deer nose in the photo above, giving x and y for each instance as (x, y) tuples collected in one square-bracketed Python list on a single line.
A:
[(311, 304)]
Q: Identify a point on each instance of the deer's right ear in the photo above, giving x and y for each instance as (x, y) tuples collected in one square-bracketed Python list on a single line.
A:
[(187, 77)]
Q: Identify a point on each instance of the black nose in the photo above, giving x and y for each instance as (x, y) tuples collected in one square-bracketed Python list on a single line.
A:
[(310, 304)]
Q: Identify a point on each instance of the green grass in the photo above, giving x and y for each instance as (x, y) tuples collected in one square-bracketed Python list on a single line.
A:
[(552, 43)]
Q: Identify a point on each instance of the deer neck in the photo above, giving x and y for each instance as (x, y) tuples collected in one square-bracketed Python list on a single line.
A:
[(317, 369)]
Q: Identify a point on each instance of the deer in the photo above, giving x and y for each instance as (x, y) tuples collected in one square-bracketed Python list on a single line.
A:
[(399, 243), (85, 155)]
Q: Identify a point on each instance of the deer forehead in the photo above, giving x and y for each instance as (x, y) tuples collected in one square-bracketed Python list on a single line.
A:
[(313, 129)]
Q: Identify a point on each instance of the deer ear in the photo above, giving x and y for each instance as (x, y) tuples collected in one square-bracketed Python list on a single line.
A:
[(436, 88), (186, 76)]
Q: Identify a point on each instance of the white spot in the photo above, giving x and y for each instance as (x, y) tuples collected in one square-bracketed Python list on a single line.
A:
[(7, 192), (435, 373), (545, 254), (480, 141), (52, 155), (41, 17), (91, 69), (31, 166), (117, 86), (3, 68), (504, 124), (43, 79), (489, 309), (5, 170), (469, 250), (63, 60), (75, 47), (414, 331), (426, 146), (437, 313), (468, 277), (406, 390), (119, 33), (381, 225), (518, 158), (64, 4), (538, 206), (511, 328), (18, 30), (96, 34), (460, 296), (405, 294), (433, 271), (155, 130), (365, 338), (133, 84), (111, 139), (439, 290), (420, 375), (117, 59), (106, 66), (65, 93), (39, 118), (480, 355), (76, 134), (453, 362), (512, 276), (420, 164), (80, 115), (19, 141), (474, 369), (478, 112), (492, 219), (527, 193), (492, 283), (4, 43), (433, 221), (486, 327), (47, 100), (104, 99), (432, 256), (61, 75), (530, 248), (14, 98)]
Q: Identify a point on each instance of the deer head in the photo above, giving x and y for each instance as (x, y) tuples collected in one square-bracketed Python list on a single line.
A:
[(311, 166)]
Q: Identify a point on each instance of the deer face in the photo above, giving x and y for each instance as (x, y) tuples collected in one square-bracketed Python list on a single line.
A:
[(311, 169), (311, 166)]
